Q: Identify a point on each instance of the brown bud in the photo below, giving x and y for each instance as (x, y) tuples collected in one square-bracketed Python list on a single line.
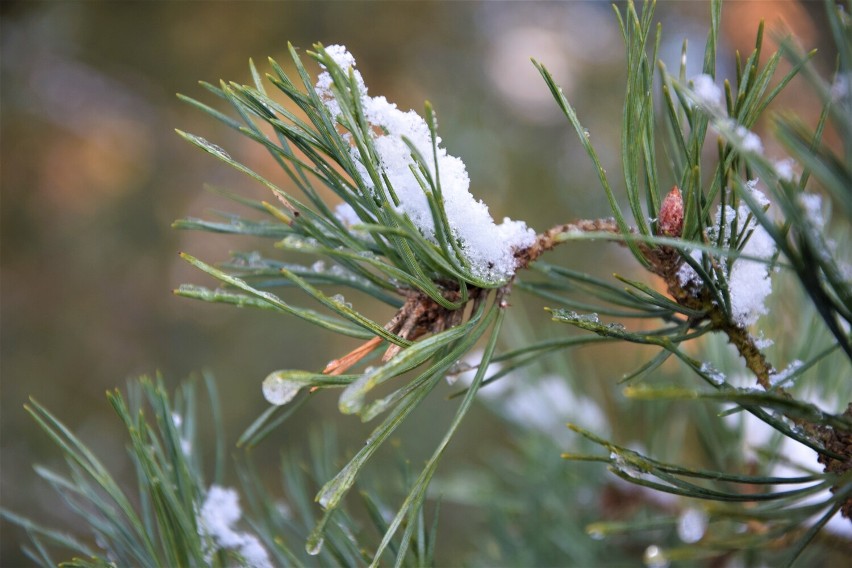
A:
[(670, 222)]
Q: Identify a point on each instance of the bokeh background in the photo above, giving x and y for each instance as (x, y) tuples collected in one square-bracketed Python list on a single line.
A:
[(93, 176)]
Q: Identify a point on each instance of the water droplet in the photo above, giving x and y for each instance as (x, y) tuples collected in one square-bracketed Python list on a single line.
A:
[(293, 242), (691, 525), (209, 146), (621, 463), (375, 408), (318, 266), (352, 398), (590, 318), (213, 148), (655, 557), (278, 389), (339, 299), (284, 509), (324, 498), (314, 546), (350, 404)]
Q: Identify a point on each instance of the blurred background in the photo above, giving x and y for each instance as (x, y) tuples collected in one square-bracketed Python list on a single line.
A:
[(93, 176)]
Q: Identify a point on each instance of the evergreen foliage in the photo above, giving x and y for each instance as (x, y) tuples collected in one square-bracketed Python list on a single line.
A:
[(714, 242)]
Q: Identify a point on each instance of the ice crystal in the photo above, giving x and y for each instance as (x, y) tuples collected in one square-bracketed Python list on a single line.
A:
[(714, 374), (781, 376)]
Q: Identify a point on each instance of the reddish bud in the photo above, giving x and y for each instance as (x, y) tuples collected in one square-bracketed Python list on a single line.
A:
[(670, 222)]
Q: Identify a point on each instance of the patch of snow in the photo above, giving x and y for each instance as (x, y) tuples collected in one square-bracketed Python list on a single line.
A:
[(758, 195), (346, 214), (812, 204), (784, 169), (749, 282), (840, 87), (546, 405)]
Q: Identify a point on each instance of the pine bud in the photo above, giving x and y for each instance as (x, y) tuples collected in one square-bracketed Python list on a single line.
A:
[(670, 222)]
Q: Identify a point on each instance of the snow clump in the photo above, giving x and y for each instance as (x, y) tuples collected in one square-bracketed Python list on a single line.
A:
[(750, 281), (706, 91), (749, 140), (488, 247), (784, 169), (216, 519)]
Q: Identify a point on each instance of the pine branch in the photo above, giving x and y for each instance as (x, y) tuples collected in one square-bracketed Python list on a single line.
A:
[(409, 235)]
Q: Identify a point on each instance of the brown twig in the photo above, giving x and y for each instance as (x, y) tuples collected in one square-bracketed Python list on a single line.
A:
[(550, 238), (418, 316), (343, 364)]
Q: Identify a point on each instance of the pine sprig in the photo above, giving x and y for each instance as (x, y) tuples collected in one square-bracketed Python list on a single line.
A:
[(707, 296)]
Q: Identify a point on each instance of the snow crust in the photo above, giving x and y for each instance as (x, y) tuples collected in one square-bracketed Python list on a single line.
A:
[(487, 246)]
